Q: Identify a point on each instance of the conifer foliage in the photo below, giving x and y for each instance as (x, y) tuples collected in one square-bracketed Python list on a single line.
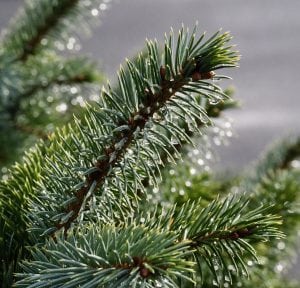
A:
[(37, 84), (79, 212)]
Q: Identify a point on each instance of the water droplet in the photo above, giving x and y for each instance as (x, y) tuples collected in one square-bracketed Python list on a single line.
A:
[(281, 245), (279, 268), (196, 152), (295, 164), (77, 47), (44, 41), (102, 6), (32, 101), (95, 12), (172, 172), (35, 114), (155, 190), (87, 3), (59, 45), (213, 101), (216, 129), (42, 104), (222, 133), (217, 141), (72, 40), (208, 155), (94, 97), (277, 186), (231, 268), (174, 140), (5, 177), (188, 183), (227, 124), (34, 72), (73, 90), (70, 46), (5, 92), (61, 107), (4, 169)]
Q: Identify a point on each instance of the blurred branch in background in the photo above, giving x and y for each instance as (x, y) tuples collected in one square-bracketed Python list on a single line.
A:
[(39, 89)]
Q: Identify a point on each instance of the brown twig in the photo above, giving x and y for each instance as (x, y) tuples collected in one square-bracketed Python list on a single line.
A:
[(138, 120), (229, 234)]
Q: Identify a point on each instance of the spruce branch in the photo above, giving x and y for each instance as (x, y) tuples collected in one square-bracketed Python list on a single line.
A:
[(147, 89), (31, 90), (52, 69), (45, 17), (275, 180), (223, 228), (279, 184), (109, 256), (24, 178), (157, 248), (41, 22), (14, 195), (268, 183), (43, 73), (55, 173), (278, 157), (58, 12), (38, 28)]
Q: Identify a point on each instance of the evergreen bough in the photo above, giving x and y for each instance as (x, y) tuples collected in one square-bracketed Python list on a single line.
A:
[(80, 209), (37, 84)]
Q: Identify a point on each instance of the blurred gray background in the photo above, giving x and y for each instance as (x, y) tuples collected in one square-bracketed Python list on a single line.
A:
[(267, 33)]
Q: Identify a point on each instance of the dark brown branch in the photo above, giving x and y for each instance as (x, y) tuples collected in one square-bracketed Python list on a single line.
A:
[(152, 103), (229, 234), (59, 11), (137, 262)]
